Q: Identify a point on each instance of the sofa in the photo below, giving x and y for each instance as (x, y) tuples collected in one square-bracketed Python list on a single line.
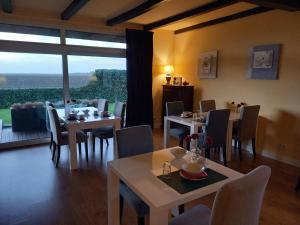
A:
[(28, 117)]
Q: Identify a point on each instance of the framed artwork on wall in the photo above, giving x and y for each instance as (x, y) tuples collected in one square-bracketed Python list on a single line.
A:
[(177, 81), (264, 62), (207, 65)]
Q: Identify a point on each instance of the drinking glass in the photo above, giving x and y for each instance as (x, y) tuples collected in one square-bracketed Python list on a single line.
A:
[(167, 169)]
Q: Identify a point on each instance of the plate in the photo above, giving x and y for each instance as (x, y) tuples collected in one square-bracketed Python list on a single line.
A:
[(192, 179)]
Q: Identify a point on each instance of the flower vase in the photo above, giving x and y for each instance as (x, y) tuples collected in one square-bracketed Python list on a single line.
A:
[(195, 151)]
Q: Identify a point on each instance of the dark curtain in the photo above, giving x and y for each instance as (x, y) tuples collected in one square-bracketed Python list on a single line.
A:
[(139, 56)]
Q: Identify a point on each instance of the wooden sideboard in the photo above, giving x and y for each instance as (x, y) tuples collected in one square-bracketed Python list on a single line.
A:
[(177, 93)]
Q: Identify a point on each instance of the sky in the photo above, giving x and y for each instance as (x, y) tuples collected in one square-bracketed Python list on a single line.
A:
[(52, 64)]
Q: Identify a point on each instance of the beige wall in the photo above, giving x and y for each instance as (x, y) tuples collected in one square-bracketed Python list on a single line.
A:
[(279, 124), (163, 42)]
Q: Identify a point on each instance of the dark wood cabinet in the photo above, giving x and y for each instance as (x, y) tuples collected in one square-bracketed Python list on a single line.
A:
[(177, 93)]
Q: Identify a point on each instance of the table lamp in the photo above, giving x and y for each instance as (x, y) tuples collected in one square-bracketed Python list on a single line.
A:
[(168, 70)]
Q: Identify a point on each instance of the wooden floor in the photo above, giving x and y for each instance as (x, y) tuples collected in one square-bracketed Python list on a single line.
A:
[(32, 191)]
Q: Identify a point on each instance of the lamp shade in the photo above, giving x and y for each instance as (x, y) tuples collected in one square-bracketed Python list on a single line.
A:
[(169, 69)]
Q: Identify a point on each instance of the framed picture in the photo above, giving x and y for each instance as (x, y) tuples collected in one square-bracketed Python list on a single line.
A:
[(177, 81), (207, 65), (264, 62)]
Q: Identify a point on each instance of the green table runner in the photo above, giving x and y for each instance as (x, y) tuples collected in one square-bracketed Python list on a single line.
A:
[(183, 186)]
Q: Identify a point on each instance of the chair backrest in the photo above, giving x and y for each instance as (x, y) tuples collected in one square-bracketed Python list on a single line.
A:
[(207, 105), (174, 108), (239, 202), (134, 141), (47, 103), (119, 111), (248, 122), (54, 124), (217, 124), (102, 105)]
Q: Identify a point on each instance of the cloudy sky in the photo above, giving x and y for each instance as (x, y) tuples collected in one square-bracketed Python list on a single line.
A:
[(48, 64)]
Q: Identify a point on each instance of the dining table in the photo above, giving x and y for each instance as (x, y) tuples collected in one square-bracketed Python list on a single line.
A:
[(194, 126), (143, 175), (89, 120)]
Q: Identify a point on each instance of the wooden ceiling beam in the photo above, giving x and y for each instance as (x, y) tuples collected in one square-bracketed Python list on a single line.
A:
[(135, 12), (232, 17), (73, 8), (289, 5), (7, 6), (189, 13)]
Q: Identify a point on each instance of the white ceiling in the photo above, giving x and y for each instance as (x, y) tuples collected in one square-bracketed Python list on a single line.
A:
[(102, 10)]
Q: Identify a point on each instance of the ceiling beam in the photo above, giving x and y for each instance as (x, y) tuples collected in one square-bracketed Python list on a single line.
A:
[(189, 13), (73, 8), (132, 13), (7, 6), (289, 5), (232, 17)]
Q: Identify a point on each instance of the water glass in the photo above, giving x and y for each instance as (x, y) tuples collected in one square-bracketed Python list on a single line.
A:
[(166, 169)]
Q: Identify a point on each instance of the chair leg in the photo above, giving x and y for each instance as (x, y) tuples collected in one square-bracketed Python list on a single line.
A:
[(86, 151), (240, 149), (224, 155), (101, 148), (58, 155), (51, 140), (107, 143), (207, 153), (254, 147), (298, 185), (181, 209), (79, 147), (93, 141), (53, 151), (121, 208), (181, 142), (141, 220)]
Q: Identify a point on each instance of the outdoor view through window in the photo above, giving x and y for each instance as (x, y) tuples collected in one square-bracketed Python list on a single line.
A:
[(36, 78)]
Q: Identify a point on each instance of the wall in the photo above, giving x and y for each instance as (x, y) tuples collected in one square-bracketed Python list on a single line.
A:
[(279, 122), (163, 44)]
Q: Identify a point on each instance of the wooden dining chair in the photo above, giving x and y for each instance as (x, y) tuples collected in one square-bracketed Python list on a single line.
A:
[(62, 137), (216, 129), (104, 133), (238, 202), (207, 105), (245, 128), (178, 131)]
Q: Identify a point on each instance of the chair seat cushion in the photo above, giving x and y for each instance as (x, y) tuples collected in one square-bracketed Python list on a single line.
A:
[(80, 137), (198, 215), (179, 131), (104, 132), (141, 208)]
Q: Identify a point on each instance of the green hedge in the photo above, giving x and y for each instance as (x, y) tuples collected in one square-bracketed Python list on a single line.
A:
[(108, 84)]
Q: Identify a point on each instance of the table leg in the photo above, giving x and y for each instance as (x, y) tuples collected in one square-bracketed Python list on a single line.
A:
[(117, 126), (158, 216), (113, 195), (73, 149), (166, 132), (229, 141)]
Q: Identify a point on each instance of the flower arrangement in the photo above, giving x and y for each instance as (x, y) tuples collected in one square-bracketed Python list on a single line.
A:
[(196, 148), (238, 106)]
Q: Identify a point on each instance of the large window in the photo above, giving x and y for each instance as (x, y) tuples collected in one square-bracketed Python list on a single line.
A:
[(31, 72), (28, 77), (91, 78)]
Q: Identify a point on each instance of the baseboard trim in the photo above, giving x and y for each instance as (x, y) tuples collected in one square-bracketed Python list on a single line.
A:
[(269, 154), (24, 143)]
